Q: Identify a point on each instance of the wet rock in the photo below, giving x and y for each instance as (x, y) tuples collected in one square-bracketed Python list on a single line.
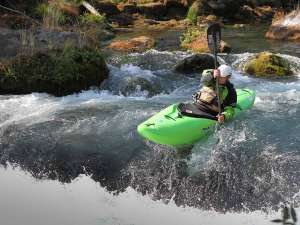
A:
[(176, 9), (15, 21), (137, 44), (122, 19), (154, 10), (267, 64), (225, 47), (171, 3), (106, 7), (10, 42), (135, 85), (195, 63), (151, 22), (128, 8), (223, 8), (272, 3), (285, 27), (55, 72), (16, 41), (250, 14)]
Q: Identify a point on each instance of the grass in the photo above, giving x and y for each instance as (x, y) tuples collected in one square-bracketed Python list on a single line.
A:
[(88, 18), (193, 13), (51, 15)]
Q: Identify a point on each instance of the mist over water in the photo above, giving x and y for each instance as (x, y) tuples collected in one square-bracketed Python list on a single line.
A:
[(85, 151)]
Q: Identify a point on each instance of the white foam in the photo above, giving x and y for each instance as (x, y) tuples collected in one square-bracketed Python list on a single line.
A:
[(136, 71), (293, 19), (84, 202)]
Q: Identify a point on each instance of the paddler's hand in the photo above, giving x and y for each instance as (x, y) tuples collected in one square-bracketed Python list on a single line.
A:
[(216, 73), (221, 118)]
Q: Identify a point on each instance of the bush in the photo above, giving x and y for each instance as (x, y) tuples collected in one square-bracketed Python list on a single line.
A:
[(59, 72)]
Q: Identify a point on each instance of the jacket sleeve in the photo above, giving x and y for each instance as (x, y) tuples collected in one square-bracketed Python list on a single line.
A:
[(230, 102), (228, 112)]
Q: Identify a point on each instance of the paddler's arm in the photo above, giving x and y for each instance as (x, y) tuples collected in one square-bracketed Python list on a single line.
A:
[(228, 113)]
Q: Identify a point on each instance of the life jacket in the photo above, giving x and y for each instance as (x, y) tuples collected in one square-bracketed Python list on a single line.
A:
[(207, 99)]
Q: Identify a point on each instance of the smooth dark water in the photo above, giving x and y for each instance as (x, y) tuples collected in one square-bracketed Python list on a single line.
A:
[(79, 160)]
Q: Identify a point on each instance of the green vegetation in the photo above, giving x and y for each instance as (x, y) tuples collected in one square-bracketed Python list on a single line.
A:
[(191, 34), (267, 64), (58, 72), (193, 12), (119, 1), (88, 18), (51, 15)]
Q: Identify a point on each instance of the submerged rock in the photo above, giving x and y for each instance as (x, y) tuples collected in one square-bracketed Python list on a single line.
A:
[(135, 85), (137, 44), (267, 64), (195, 63), (56, 72), (285, 27)]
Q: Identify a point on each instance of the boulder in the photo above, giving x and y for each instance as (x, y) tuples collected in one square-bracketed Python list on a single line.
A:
[(184, 3), (154, 10), (132, 85), (250, 14), (106, 7), (195, 63), (225, 47), (138, 44), (267, 64), (122, 19), (128, 8), (285, 27), (176, 9), (272, 3), (57, 72), (15, 21), (224, 8)]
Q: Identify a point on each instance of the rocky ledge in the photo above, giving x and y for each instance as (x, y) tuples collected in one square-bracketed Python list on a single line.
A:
[(285, 27)]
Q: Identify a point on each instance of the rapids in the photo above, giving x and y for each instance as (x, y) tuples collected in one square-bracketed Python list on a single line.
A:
[(80, 157)]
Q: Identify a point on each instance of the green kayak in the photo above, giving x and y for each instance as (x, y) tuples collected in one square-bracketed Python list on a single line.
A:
[(173, 128)]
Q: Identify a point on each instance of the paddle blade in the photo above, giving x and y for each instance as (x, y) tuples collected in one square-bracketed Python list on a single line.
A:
[(214, 37)]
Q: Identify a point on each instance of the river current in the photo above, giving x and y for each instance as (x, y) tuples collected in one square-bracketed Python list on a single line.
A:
[(79, 160)]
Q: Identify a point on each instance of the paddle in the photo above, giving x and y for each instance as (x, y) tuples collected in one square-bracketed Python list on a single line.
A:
[(214, 40)]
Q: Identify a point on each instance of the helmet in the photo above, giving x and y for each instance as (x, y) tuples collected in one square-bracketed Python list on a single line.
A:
[(207, 77), (225, 71)]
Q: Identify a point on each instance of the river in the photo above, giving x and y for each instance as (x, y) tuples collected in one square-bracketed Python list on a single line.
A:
[(79, 160)]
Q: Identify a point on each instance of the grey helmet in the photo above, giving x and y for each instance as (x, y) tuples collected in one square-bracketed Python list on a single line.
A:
[(207, 77)]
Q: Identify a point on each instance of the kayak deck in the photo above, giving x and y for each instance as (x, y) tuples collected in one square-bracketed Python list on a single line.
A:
[(170, 127)]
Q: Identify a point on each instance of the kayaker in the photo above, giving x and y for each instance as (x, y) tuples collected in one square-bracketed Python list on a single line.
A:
[(206, 97)]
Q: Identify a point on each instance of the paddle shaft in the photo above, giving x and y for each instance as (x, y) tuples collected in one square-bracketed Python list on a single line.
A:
[(217, 79)]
